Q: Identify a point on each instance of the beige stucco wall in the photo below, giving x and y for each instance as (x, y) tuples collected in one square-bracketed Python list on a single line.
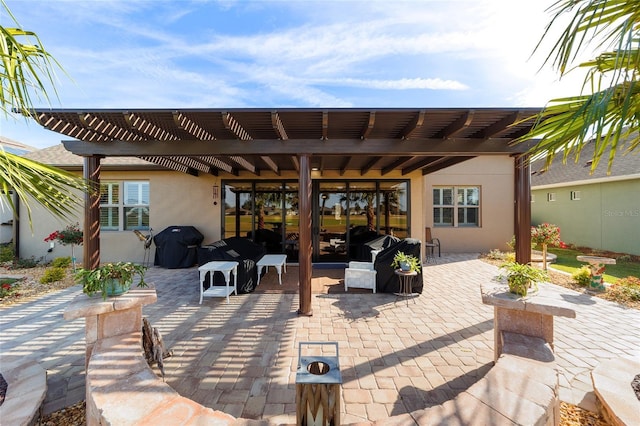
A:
[(181, 199), (495, 176), (178, 199), (175, 199)]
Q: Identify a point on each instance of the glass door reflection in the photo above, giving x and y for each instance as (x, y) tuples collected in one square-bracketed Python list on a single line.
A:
[(331, 222)]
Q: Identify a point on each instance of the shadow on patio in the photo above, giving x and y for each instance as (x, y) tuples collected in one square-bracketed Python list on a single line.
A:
[(241, 357)]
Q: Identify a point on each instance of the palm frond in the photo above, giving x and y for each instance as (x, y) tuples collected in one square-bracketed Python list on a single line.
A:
[(606, 20), (607, 112), (49, 186), (26, 69), (608, 118)]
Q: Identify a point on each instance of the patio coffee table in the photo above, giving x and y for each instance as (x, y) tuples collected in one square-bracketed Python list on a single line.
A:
[(226, 267), (275, 260)]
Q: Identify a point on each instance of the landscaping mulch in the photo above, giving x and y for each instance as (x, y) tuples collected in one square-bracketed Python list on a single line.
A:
[(29, 285), (69, 416), (570, 415)]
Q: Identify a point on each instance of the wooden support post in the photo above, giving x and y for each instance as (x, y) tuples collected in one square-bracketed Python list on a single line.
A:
[(305, 252), (522, 208), (91, 251)]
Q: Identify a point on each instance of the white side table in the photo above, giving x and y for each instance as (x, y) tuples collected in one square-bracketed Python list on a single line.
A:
[(226, 267), (276, 260)]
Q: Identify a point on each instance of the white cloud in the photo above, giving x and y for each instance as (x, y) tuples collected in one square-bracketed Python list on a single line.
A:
[(126, 54), (400, 84)]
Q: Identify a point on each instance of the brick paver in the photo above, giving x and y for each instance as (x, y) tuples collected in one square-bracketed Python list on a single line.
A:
[(395, 357)]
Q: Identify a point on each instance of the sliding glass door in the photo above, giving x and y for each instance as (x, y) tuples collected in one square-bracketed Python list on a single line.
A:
[(346, 215)]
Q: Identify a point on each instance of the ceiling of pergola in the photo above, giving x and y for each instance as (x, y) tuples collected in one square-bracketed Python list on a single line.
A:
[(257, 140)]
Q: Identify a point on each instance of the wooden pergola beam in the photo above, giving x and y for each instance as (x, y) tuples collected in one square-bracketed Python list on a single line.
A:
[(381, 147)]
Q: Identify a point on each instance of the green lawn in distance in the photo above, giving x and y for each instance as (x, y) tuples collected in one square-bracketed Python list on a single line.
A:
[(568, 262)]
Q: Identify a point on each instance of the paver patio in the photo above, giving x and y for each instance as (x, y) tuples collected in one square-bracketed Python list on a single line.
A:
[(395, 357)]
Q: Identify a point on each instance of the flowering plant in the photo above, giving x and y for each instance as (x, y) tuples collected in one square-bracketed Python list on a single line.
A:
[(70, 235), (546, 233)]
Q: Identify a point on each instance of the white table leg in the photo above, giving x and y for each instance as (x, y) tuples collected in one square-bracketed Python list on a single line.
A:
[(259, 274), (201, 284), (279, 269), (235, 280), (226, 280)]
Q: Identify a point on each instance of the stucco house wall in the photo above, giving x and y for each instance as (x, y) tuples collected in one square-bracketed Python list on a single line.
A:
[(597, 208), (495, 176), (181, 199), (606, 216), (176, 199)]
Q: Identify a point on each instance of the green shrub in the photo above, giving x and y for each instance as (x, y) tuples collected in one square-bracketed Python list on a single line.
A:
[(6, 253), (510, 257), (8, 286), (26, 263), (53, 274), (582, 276), (625, 258), (61, 262), (626, 289), (496, 254), (512, 243)]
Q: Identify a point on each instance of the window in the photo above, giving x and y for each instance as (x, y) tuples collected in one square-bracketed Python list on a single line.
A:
[(456, 206), (551, 196), (575, 195), (124, 206)]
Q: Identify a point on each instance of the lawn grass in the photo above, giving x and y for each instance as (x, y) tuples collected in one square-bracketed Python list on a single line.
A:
[(567, 262)]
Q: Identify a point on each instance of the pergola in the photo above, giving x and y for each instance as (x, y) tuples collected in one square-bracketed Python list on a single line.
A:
[(255, 140)]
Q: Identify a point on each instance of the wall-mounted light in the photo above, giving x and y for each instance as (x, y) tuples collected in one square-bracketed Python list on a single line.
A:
[(215, 192)]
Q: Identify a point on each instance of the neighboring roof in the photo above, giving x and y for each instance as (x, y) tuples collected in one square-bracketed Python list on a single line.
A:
[(58, 156), (256, 139), (15, 147), (626, 165)]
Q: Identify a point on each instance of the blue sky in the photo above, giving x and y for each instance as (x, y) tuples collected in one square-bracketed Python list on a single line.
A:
[(276, 54)]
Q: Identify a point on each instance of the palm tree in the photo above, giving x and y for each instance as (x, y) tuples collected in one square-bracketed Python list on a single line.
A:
[(26, 66), (608, 109)]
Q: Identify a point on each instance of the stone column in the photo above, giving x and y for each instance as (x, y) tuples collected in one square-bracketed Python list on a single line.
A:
[(111, 317)]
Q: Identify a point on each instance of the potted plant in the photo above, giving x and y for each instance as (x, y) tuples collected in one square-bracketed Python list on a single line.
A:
[(110, 279), (406, 262), (521, 277)]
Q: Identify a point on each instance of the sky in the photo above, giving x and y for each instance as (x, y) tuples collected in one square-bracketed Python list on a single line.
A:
[(282, 54)]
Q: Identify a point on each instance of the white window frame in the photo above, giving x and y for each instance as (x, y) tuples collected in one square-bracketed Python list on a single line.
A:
[(123, 205), (575, 195), (551, 196), (457, 206)]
